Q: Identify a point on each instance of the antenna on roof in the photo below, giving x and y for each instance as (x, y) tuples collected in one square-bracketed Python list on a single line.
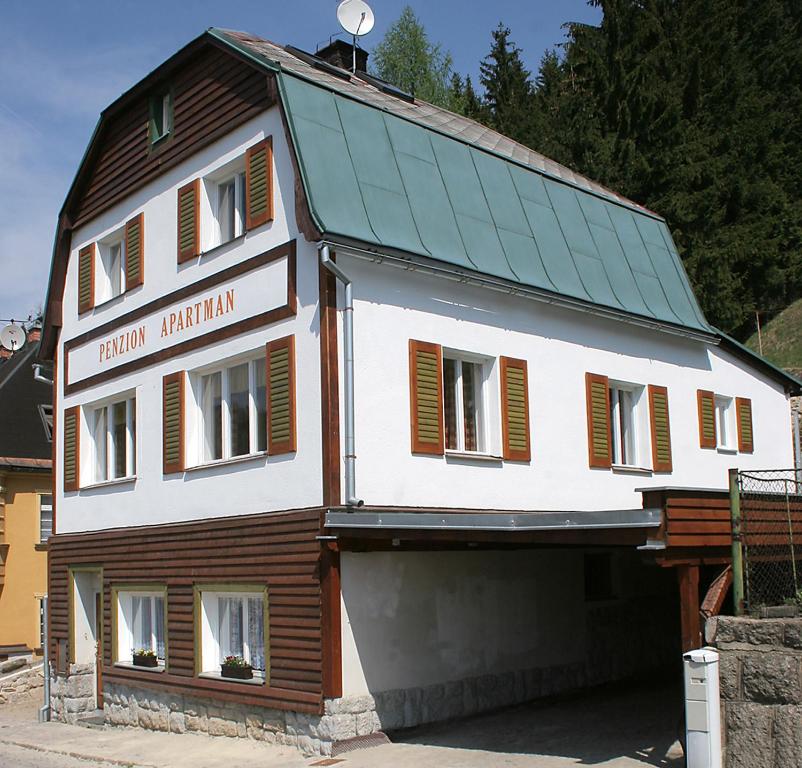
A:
[(12, 337), (356, 18)]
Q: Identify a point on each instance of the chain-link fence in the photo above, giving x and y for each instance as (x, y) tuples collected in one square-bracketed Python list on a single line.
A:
[(771, 536)]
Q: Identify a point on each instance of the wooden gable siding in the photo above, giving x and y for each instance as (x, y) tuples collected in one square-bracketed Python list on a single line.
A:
[(279, 550), (213, 93)]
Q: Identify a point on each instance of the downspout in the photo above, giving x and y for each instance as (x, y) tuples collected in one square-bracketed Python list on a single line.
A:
[(348, 375), (44, 711)]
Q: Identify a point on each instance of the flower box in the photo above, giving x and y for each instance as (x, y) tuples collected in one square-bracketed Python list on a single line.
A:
[(236, 672), (145, 661)]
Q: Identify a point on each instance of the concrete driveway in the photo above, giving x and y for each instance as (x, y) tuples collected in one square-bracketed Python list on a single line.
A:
[(622, 727)]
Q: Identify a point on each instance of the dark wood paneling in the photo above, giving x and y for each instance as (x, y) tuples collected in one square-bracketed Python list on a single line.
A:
[(213, 93), (279, 550)]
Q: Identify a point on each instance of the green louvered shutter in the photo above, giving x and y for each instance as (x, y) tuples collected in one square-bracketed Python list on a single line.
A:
[(173, 423), (706, 405), (189, 221), (135, 252), (71, 465), (743, 411), (597, 393), (280, 395), (661, 429), (515, 409), (426, 397), (259, 184), (86, 278)]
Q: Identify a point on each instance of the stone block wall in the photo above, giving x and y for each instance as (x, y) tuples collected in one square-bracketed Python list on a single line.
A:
[(760, 672), (342, 719), (73, 694), (19, 684)]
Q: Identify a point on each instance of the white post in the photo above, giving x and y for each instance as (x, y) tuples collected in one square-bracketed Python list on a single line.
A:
[(702, 709)]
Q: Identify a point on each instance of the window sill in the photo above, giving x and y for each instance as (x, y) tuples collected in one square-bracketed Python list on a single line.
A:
[(106, 483), (220, 246), (227, 462), (724, 449), (626, 469), (131, 665), (41, 546), (470, 456), (255, 680)]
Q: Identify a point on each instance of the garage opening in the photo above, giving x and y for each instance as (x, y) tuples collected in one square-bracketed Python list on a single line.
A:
[(553, 632)]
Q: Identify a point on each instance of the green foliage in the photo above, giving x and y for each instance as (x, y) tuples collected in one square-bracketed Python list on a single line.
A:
[(406, 58), (782, 338)]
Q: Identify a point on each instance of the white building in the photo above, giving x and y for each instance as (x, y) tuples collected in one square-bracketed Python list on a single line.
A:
[(539, 412)]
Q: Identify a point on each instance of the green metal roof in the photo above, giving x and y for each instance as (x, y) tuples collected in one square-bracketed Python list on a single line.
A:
[(375, 177)]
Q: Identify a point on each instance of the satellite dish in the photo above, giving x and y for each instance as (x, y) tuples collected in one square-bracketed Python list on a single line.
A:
[(355, 17), (12, 337)]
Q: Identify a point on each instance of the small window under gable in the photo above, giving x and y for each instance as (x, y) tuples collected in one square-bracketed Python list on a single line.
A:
[(161, 115)]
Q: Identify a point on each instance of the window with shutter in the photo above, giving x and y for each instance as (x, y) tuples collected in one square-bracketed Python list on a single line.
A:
[(86, 278), (280, 394), (173, 423), (135, 252), (189, 221), (706, 405), (426, 397), (661, 429), (259, 184), (515, 409), (597, 392), (743, 408), (72, 439)]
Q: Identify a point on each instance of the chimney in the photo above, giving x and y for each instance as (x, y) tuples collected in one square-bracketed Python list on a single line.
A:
[(34, 334), (340, 54)]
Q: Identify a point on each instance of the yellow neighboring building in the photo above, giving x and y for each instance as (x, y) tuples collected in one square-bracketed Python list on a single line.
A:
[(26, 503)]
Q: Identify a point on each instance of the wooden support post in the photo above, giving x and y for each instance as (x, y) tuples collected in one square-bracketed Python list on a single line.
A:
[(331, 617), (691, 625)]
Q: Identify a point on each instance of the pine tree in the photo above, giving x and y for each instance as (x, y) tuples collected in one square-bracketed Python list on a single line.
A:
[(406, 58)]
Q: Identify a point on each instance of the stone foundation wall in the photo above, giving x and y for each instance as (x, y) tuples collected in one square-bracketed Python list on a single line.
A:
[(73, 694), (19, 684), (342, 719), (760, 673)]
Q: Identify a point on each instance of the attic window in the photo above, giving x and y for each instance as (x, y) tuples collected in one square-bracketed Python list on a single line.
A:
[(46, 413), (161, 115)]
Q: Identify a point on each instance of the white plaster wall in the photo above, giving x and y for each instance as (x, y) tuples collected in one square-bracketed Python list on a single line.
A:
[(393, 306), (418, 618), (258, 484)]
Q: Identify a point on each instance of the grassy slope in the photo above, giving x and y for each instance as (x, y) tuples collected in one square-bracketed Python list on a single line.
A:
[(782, 338)]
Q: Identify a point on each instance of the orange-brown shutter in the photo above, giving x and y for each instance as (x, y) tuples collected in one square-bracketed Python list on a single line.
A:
[(661, 429), (706, 406), (173, 423), (189, 221), (600, 444), (426, 397), (259, 184), (515, 410), (135, 252), (86, 278), (72, 445), (280, 394), (743, 412)]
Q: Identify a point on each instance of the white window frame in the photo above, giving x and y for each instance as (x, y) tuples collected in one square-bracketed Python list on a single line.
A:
[(107, 270), (724, 409), (93, 412), (123, 629), (633, 414), (482, 375), (44, 506), (196, 415), (46, 413), (211, 225), (210, 655)]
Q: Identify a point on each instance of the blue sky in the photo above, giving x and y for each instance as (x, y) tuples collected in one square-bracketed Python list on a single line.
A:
[(63, 61)]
